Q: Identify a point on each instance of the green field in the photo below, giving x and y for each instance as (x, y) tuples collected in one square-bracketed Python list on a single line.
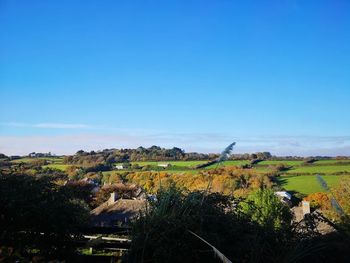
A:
[(189, 164), (49, 159), (22, 160), (57, 166), (314, 169), (54, 162), (286, 162), (306, 184)]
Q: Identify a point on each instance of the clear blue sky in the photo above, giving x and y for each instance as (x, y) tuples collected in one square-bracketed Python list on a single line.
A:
[(272, 75)]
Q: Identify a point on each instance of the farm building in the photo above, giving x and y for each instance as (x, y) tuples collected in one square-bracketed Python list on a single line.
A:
[(164, 165), (284, 194), (119, 167), (116, 211), (285, 197)]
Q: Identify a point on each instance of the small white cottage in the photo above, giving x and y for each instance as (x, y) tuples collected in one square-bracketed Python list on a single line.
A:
[(164, 165), (284, 194), (119, 167)]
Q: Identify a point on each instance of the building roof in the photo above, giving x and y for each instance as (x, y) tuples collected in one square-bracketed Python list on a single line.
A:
[(284, 194), (122, 210)]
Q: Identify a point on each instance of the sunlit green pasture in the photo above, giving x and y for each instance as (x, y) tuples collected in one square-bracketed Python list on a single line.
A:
[(314, 169), (307, 184), (62, 167), (286, 162), (49, 159)]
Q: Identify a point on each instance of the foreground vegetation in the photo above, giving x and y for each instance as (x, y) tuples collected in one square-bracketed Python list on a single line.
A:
[(195, 206), (258, 228), (202, 227)]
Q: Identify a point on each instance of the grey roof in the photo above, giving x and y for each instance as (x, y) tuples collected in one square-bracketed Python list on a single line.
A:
[(123, 210)]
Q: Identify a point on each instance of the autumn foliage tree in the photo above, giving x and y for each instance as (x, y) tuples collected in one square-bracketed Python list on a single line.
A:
[(319, 200), (227, 180)]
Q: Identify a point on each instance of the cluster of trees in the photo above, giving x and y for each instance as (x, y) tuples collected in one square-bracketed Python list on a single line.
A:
[(279, 168), (227, 180), (252, 156), (153, 153), (3, 156)]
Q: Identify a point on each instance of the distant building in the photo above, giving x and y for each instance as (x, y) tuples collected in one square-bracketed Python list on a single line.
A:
[(116, 212), (285, 197), (119, 167), (164, 165), (284, 194)]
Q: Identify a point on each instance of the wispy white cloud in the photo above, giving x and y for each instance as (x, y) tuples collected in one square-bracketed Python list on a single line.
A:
[(50, 125), (66, 144), (205, 142), (62, 126)]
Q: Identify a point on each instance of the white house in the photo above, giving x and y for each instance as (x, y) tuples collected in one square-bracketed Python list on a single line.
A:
[(285, 197), (284, 194), (164, 165), (119, 167)]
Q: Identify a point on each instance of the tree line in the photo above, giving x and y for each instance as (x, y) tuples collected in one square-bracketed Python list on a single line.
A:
[(154, 153)]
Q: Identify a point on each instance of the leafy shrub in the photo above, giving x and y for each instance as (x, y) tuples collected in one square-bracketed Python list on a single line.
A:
[(265, 208)]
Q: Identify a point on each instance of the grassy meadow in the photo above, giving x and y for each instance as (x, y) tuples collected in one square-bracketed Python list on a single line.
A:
[(53, 162), (58, 166), (300, 177), (321, 169), (306, 184), (277, 162)]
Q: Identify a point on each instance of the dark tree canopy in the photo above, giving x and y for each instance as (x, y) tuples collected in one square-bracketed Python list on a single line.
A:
[(36, 212)]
